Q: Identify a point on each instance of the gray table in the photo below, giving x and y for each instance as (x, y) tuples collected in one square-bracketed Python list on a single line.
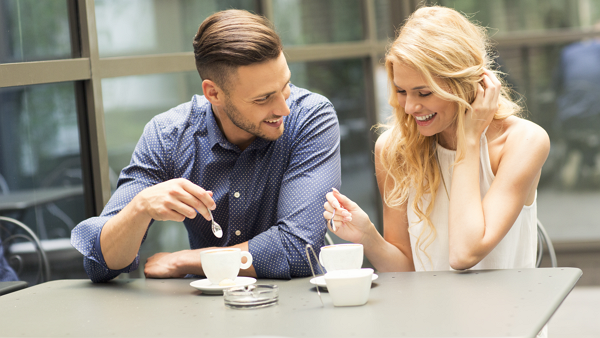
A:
[(493, 303)]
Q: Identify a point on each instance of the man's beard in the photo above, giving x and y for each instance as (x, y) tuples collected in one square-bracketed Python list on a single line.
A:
[(239, 121)]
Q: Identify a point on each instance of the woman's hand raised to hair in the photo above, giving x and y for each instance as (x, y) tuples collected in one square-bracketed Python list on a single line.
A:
[(351, 222), (485, 106)]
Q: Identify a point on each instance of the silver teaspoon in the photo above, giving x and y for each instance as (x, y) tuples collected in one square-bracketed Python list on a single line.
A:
[(331, 222), (216, 228)]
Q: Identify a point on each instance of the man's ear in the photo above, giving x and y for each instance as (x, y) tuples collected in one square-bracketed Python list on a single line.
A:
[(213, 93)]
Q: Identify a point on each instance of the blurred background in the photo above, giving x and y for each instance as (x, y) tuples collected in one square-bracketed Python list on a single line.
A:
[(79, 79)]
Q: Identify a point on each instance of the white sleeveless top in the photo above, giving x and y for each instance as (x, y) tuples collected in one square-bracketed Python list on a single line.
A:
[(516, 250)]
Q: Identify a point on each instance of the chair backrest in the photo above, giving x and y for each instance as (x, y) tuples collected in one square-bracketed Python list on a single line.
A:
[(4, 190), (543, 238), (18, 241)]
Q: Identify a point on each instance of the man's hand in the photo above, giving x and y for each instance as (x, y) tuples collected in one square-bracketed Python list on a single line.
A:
[(180, 263), (173, 265), (174, 200)]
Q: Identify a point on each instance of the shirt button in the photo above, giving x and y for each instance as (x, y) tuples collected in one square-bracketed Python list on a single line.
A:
[(237, 232), (236, 195)]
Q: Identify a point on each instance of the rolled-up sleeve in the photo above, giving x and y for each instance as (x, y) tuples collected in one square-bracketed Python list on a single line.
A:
[(147, 168), (314, 168)]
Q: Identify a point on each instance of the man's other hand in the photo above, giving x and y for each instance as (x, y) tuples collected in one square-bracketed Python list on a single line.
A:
[(173, 265)]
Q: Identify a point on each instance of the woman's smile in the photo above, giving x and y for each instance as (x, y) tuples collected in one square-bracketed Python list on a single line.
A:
[(425, 120)]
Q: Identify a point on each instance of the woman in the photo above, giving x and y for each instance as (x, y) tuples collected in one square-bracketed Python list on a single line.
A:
[(457, 169)]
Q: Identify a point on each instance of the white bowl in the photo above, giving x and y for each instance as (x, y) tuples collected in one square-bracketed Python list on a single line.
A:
[(349, 287)]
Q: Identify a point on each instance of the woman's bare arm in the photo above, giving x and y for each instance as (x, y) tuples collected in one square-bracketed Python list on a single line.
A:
[(476, 226), (390, 252)]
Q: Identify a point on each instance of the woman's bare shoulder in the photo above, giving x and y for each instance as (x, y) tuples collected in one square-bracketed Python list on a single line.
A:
[(523, 132), (515, 134)]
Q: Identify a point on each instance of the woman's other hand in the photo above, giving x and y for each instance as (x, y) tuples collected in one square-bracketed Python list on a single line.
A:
[(484, 107), (351, 222)]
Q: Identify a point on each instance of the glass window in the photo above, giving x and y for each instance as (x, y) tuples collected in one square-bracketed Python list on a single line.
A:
[(529, 15), (131, 102), (40, 169), (389, 16), (383, 14), (343, 83), (32, 30), (382, 91), (301, 22), (138, 27)]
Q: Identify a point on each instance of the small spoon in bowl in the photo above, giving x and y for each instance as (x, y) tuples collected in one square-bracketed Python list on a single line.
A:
[(216, 228)]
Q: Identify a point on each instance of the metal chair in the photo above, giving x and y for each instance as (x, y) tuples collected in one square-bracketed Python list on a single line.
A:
[(4, 190), (543, 238), (18, 242), (66, 174)]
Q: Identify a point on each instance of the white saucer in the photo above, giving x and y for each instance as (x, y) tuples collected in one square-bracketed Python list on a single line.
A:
[(320, 281), (208, 288)]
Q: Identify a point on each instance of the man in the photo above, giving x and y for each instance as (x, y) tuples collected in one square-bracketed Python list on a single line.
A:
[(257, 151)]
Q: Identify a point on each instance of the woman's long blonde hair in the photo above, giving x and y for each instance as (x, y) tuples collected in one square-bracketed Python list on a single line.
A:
[(439, 43)]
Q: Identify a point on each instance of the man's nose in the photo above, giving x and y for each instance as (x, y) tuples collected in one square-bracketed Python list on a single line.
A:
[(281, 107)]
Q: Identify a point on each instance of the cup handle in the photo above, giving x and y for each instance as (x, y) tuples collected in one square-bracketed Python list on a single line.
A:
[(248, 260), (321, 259)]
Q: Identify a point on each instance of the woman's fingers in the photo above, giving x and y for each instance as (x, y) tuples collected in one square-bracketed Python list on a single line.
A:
[(491, 92), (479, 96), (330, 205), (492, 88), (488, 93), (493, 77), (346, 203), (341, 215), (335, 201), (332, 200), (335, 213), (331, 222)]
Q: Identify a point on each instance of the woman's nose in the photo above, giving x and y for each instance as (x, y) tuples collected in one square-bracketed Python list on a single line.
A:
[(412, 106)]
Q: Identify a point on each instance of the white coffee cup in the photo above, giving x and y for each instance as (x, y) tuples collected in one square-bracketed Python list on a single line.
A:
[(225, 263), (349, 287), (341, 256)]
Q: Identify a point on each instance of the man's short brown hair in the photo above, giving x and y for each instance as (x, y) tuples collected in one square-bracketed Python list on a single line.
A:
[(233, 38)]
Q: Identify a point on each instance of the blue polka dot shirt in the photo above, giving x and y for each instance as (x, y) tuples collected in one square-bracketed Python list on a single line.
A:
[(271, 194)]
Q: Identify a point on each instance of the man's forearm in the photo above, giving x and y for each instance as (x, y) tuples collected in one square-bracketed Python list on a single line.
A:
[(122, 236)]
